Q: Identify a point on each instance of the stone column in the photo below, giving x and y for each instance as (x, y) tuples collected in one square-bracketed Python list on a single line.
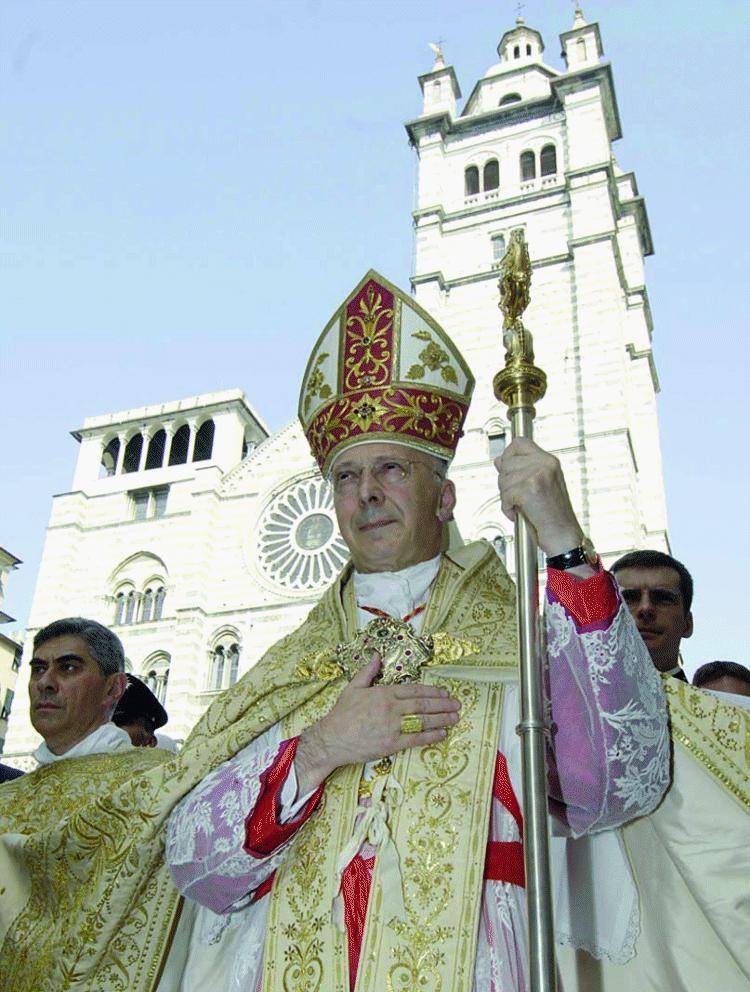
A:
[(191, 445), (120, 453), (144, 448)]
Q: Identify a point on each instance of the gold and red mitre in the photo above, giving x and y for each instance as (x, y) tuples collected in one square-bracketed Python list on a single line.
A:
[(383, 370)]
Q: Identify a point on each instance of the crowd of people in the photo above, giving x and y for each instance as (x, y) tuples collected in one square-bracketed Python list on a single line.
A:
[(348, 816)]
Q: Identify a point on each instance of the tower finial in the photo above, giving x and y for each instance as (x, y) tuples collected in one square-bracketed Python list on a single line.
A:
[(580, 20), (519, 19), (437, 47)]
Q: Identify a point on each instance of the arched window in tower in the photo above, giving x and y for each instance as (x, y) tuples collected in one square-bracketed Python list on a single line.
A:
[(233, 660), (498, 248), (148, 606), (528, 49), (496, 440), (155, 454), (510, 98), (204, 442), (437, 88), (528, 166), (581, 46), (548, 160), (471, 181), (159, 596), (217, 669), (178, 452), (109, 457), (517, 52), (156, 674), (133, 449), (119, 607), (131, 601), (224, 660), (491, 175)]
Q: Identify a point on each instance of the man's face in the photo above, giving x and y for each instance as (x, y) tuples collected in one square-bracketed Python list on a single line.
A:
[(388, 523), (140, 732), (728, 683), (69, 695), (655, 601)]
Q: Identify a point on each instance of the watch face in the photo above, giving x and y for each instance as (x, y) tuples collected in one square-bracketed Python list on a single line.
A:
[(589, 551)]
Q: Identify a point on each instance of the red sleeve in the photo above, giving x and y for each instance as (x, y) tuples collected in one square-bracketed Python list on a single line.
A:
[(263, 833), (591, 602)]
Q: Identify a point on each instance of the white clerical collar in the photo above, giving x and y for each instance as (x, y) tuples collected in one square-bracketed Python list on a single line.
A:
[(106, 738), (396, 593)]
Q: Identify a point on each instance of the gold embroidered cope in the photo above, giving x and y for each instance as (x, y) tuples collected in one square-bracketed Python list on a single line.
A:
[(438, 822)]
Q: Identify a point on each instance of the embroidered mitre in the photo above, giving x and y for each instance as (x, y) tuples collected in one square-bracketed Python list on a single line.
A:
[(383, 370)]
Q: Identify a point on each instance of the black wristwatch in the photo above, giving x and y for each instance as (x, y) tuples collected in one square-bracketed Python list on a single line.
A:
[(584, 554)]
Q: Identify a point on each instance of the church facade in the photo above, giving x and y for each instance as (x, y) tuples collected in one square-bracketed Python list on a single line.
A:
[(201, 538)]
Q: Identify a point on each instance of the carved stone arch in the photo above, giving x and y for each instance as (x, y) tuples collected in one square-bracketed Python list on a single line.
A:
[(157, 446), (548, 163), (528, 164), (134, 444), (497, 430), (151, 564), (225, 648), (121, 597), (155, 673), (153, 580), (179, 446), (110, 454), (496, 423), (205, 432), (128, 584), (227, 630)]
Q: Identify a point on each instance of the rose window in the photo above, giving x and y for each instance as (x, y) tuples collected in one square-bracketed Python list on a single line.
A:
[(299, 545)]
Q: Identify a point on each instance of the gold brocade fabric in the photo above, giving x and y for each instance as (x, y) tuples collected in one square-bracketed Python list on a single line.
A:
[(110, 929), (715, 733), (38, 814), (691, 862), (439, 827)]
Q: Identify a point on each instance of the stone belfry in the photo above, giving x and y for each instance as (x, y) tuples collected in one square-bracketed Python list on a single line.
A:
[(532, 149)]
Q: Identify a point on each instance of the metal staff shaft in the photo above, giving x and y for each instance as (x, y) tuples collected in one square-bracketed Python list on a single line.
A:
[(532, 732), (519, 385)]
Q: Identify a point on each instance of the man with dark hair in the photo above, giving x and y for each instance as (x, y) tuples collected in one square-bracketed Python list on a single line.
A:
[(658, 590), (76, 681), (140, 713), (726, 677), (77, 678)]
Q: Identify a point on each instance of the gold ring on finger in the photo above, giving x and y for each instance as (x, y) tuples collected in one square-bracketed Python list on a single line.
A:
[(412, 723)]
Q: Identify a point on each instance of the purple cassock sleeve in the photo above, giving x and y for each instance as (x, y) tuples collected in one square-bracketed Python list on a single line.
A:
[(608, 758)]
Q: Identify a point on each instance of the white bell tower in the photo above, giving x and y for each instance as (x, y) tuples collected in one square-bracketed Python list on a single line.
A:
[(532, 149)]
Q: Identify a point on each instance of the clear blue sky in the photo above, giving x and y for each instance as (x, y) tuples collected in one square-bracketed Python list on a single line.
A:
[(188, 188)]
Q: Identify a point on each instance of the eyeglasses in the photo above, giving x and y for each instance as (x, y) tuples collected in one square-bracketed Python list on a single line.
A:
[(387, 472)]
